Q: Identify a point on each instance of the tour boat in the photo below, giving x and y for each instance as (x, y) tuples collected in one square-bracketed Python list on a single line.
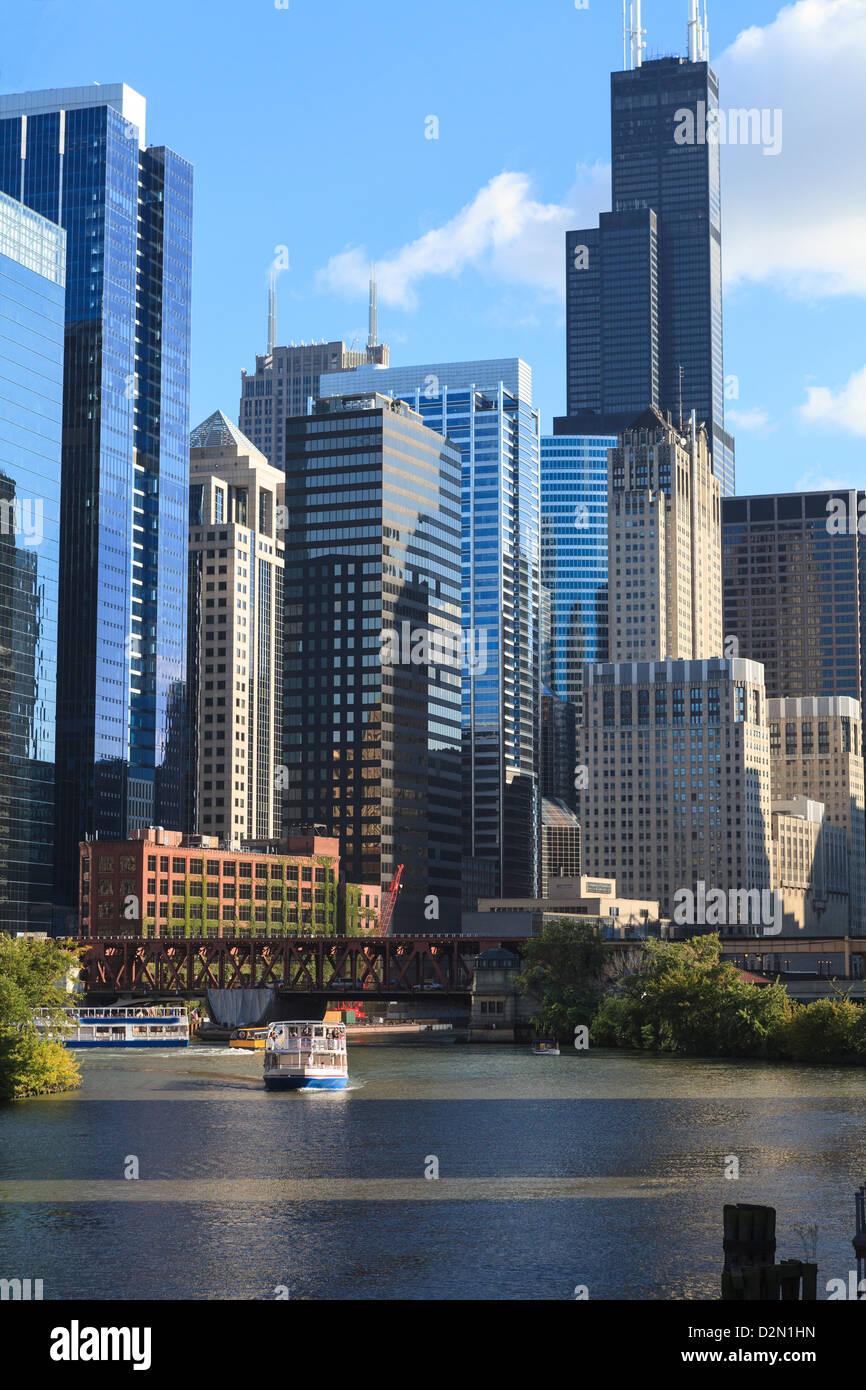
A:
[(305, 1055), (250, 1039), (161, 1025), (545, 1047)]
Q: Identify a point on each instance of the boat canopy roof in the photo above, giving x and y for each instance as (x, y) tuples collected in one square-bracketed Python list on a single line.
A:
[(311, 1027)]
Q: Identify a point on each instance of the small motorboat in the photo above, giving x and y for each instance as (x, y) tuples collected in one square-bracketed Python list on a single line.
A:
[(545, 1047)]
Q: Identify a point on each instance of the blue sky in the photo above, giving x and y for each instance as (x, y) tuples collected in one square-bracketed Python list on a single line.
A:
[(306, 126)]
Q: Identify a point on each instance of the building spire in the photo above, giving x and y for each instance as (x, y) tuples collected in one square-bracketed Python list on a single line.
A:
[(699, 33), (632, 35), (272, 312), (373, 333)]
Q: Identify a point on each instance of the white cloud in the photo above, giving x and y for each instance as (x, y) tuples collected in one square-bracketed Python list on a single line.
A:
[(754, 421), (799, 220), (815, 481), (504, 232), (796, 221), (844, 409)]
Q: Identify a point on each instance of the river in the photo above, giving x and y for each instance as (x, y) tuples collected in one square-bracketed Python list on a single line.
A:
[(598, 1171)]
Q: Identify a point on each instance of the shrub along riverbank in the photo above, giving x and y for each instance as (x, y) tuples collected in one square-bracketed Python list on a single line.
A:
[(33, 976), (683, 997)]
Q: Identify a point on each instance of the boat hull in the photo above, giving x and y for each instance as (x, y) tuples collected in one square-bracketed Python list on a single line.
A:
[(305, 1083), (120, 1043)]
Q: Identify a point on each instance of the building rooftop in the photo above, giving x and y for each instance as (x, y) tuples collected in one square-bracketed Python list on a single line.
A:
[(218, 432)]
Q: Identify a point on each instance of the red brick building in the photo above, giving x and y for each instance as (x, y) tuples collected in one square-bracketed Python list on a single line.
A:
[(162, 883)]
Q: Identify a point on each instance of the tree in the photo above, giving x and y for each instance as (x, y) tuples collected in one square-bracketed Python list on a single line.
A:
[(33, 976), (686, 998), (563, 970)]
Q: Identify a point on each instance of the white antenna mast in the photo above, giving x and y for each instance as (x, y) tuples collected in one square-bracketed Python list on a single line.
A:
[(694, 32), (272, 312), (706, 43), (373, 333), (636, 34), (625, 34)]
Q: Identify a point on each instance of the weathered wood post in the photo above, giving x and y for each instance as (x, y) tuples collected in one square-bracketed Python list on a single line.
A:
[(859, 1241), (749, 1241)]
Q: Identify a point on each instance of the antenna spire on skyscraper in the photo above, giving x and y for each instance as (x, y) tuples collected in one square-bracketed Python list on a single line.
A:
[(699, 33), (373, 333), (272, 312), (634, 32)]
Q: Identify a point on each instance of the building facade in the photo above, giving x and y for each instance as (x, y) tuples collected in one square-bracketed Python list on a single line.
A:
[(644, 288), (816, 751), (285, 379), (560, 843), (32, 297), (162, 883), (574, 554), (78, 156), (810, 869), (371, 734), (235, 661), (664, 545), (677, 761), (486, 409), (794, 572)]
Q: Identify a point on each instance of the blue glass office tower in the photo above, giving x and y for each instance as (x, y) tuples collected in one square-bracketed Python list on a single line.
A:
[(644, 288), (574, 554), (486, 408), (32, 277), (78, 157)]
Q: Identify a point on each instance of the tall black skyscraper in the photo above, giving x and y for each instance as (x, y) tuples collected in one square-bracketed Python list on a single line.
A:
[(372, 675), (644, 288)]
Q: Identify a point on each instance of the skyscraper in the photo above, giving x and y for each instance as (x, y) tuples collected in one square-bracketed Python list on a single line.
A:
[(486, 408), (644, 288), (794, 588), (574, 554), (285, 378), (678, 791), (816, 750), (664, 545), (235, 665), (78, 157), (372, 647), (32, 279)]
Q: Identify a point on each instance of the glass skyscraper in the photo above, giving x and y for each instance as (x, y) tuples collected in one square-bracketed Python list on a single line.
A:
[(371, 710), (486, 408), (32, 278), (574, 554), (644, 288), (78, 156), (792, 587)]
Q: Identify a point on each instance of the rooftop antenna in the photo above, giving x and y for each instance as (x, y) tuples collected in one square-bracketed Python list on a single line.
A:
[(272, 312), (635, 34), (681, 399), (706, 40), (373, 334), (694, 31)]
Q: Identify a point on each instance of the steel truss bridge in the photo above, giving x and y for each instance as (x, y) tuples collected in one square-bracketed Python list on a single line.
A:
[(333, 967)]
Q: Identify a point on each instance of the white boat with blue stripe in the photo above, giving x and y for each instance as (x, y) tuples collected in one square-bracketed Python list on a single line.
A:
[(160, 1025), (303, 1055)]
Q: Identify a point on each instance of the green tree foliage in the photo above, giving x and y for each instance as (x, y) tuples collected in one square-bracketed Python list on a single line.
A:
[(33, 976), (563, 970), (830, 1030), (685, 998)]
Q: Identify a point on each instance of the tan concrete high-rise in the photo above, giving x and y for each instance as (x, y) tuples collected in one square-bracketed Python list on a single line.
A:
[(235, 662), (816, 751), (664, 544), (676, 767)]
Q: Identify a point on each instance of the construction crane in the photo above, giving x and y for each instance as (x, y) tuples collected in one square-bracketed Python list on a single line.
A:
[(389, 902)]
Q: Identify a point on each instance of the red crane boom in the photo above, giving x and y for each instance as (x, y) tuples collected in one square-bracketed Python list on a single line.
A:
[(389, 901)]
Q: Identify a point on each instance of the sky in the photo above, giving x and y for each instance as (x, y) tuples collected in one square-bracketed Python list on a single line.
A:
[(309, 125)]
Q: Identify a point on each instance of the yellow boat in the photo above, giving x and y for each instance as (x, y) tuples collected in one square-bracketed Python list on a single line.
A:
[(250, 1039)]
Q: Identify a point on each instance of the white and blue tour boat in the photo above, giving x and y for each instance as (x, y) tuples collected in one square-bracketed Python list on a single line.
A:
[(160, 1025), (306, 1056)]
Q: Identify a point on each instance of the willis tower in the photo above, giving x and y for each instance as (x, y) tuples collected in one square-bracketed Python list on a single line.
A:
[(644, 288)]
